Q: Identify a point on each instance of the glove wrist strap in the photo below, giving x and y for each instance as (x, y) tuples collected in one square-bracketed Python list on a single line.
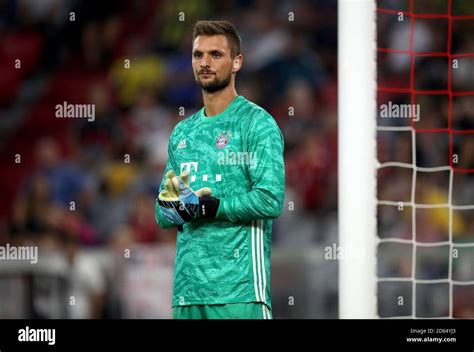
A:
[(208, 207)]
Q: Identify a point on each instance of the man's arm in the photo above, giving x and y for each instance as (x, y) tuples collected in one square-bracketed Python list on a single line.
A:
[(267, 175)]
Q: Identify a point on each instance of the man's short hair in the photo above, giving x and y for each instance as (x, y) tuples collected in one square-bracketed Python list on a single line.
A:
[(224, 28)]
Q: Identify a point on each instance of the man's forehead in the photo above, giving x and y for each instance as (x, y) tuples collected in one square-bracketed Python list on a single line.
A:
[(211, 42)]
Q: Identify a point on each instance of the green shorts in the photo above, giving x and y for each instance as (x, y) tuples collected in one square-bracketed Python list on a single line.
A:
[(223, 311)]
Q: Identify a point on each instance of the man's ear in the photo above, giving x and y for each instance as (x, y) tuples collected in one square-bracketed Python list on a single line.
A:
[(237, 64)]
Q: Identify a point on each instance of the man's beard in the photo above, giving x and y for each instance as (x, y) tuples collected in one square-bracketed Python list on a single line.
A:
[(215, 85)]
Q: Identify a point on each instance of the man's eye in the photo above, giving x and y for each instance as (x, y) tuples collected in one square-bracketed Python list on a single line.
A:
[(216, 55), (197, 55)]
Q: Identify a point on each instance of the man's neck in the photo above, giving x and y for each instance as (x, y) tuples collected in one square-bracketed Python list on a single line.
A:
[(217, 102)]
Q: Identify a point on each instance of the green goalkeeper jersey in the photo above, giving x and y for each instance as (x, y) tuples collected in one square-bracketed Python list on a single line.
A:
[(239, 155)]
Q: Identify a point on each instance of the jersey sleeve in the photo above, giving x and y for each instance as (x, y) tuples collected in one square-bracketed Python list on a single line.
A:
[(267, 175), (170, 165)]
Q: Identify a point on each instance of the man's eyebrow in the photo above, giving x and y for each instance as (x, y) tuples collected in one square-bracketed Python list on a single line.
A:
[(221, 51)]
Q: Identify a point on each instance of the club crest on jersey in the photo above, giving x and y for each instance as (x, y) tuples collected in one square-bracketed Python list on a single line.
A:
[(222, 140)]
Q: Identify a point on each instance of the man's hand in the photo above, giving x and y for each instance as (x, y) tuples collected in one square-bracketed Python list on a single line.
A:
[(180, 204)]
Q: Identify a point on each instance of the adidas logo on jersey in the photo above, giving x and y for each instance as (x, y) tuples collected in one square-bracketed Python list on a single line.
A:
[(182, 144)]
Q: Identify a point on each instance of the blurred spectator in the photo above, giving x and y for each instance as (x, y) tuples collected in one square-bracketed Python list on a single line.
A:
[(148, 72), (152, 125), (86, 281), (65, 179), (30, 206), (169, 31), (104, 135), (296, 62), (142, 219), (120, 245)]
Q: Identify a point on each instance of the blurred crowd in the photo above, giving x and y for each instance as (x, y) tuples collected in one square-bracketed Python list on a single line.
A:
[(81, 186)]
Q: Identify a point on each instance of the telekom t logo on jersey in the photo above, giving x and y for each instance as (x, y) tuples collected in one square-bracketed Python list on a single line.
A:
[(188, 166), (192, 168)]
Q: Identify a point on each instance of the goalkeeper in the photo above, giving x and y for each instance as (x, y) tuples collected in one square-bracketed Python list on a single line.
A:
[(223, 184)]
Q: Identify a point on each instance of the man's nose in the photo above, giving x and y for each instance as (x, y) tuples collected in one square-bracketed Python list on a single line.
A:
[(205, 61)]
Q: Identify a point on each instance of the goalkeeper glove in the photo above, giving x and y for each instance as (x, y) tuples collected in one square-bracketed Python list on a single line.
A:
[(180, 204)]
